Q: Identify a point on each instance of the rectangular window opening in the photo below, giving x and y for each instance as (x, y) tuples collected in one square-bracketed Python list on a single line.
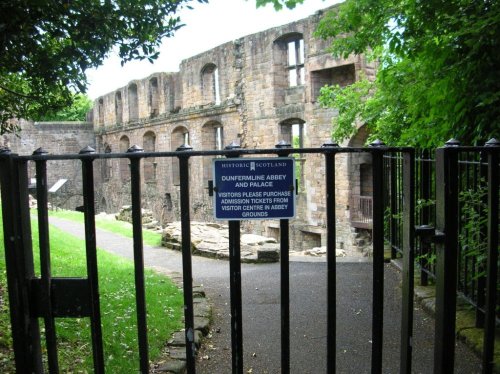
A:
[(342, 75)]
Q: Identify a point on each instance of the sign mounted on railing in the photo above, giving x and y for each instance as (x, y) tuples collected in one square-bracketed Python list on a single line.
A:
[(254, 188)]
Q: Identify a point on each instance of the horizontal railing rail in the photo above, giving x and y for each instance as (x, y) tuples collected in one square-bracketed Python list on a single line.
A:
[(392, 212)]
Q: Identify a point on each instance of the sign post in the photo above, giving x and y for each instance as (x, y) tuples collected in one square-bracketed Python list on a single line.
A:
[(254, 188)]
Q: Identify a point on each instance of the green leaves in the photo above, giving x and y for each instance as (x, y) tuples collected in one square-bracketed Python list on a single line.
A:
[(278, 4), (438, 74), (23, 96), (77, 111), (351, 104)]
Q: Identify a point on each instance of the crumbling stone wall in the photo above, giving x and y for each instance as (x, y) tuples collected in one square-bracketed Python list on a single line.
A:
[(247, 91)]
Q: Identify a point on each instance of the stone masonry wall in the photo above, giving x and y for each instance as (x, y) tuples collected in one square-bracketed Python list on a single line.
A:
[(55, 138), (237, 92)]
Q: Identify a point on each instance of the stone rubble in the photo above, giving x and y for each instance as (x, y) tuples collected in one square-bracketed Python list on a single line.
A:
[(212, 240), (320, 252), (148, 221)]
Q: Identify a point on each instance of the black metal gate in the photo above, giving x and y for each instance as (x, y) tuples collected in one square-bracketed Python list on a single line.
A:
[(49, 297)]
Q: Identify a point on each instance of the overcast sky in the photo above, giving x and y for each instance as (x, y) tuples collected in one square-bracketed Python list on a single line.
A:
[(207, 26)]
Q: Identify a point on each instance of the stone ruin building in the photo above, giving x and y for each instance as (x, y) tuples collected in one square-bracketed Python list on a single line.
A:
[(256, 91)]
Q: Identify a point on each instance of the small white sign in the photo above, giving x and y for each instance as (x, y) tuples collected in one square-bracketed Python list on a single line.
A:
[(57, 185)]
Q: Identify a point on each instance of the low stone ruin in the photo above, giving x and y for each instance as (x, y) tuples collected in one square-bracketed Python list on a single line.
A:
[(148, 221), (212, 240)]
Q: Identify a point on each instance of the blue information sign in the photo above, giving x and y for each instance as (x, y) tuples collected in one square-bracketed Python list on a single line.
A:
[(254, 188)]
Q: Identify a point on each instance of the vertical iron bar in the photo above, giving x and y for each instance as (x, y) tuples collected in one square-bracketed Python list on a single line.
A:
[(235, 289), (466, 265), (378, 260), (91, 254), (408, 260), (393, 205), (400, 202), (285, 295), (19, 263), (481, 279), (27, 249), (285, 278), (425, 216), (492, 263), (446, 258), (425, 192), (331, 341), (236, 301), (187, 273), (140, 292), (44, 244)]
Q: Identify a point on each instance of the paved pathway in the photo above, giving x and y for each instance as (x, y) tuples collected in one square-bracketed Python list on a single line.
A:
[(261, 313)]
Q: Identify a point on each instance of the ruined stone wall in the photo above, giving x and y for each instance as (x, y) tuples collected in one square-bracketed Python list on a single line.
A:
[(55, 138), (262, 82), (247, 91)]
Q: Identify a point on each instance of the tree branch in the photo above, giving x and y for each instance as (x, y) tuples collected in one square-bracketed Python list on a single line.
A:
[(17, 93)]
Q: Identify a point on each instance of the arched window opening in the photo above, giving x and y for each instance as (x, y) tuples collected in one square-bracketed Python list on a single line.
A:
[(169, 95), (153, 101), (216, 86), (292, 131), (118, 108), (210, 84), (289, 69), (103, 207), (180, 136), (100, 109), (149, 145), (106, 168), (213, 139), (133, 103), (124, 162)]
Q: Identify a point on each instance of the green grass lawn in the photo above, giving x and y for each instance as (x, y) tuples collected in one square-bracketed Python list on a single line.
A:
[(116, 286), (105, 223)]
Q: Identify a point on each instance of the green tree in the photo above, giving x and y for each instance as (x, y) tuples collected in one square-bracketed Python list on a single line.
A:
[(77, 111), (438, 76), (47, 46)]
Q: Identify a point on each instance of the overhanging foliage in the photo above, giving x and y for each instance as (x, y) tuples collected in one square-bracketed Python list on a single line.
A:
[(47, 46), (438, 74)]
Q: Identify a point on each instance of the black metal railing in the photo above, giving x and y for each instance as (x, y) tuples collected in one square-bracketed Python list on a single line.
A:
[(470, 192), (394, 191), (362, 211)]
